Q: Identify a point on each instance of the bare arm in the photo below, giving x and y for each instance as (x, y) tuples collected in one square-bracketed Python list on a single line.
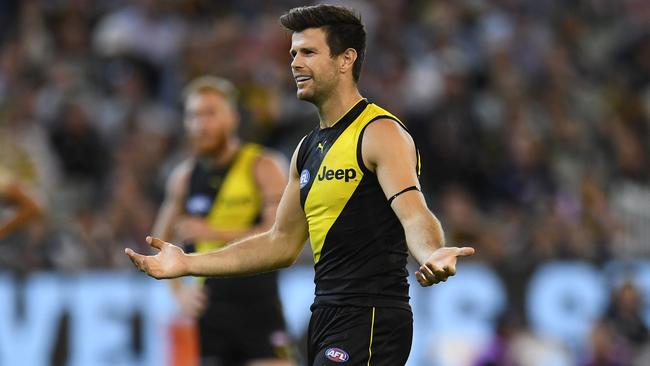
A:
[(275, 248), (396, 170), (172, 206), (27, 208)]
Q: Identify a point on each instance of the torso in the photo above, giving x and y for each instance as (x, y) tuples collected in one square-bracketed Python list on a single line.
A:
[(357, 241), (229, 198)]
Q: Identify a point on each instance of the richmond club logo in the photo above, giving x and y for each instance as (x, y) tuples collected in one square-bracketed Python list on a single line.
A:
[(304, 178), (336, 355)]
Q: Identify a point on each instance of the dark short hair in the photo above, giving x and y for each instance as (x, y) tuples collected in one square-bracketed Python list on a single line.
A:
[(342, 26)]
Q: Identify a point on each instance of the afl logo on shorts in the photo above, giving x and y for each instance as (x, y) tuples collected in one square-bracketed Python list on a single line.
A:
[(304, 178), (336, 355)]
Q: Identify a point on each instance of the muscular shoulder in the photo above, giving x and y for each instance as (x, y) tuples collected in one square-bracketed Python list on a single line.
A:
[(385, 137), (270, 174), (270, 163), (386, 129)]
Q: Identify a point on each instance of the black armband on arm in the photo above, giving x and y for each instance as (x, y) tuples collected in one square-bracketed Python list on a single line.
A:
[(411, 188)]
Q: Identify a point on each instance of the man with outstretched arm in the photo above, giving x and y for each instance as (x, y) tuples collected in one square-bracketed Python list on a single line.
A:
[(354, 192)]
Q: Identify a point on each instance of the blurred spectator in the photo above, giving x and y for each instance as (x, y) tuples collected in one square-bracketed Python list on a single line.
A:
[(499, 351), (83, 155), (514, 345), (19, 207), (625, 317), (26, 173), (605, 348), (142, 28), (86, 243)]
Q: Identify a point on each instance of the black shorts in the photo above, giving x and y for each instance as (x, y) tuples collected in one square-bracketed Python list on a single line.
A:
[(356, 336), (232, 336)]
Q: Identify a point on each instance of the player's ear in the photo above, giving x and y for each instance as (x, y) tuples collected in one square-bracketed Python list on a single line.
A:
[(347, 59)]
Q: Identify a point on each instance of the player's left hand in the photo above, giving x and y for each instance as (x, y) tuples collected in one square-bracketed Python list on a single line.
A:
[(194, 228), (441, 265)]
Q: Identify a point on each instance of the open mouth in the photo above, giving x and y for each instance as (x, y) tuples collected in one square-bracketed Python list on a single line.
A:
[(301, 79)]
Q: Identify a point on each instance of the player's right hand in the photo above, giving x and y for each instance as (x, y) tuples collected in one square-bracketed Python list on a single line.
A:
[(169, 262), (192, 300)]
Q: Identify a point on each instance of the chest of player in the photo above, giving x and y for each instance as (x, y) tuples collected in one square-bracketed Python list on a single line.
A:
[(228, 198), (235, 204), (329, 176), (200, 204)]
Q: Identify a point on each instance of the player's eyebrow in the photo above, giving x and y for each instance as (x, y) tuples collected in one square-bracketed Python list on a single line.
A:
[(293, 52)]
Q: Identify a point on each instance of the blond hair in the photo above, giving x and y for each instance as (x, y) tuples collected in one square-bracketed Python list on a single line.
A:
[(212, 83)]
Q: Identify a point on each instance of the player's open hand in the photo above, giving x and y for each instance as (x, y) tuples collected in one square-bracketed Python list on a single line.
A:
[(441, 265), (168, 263)]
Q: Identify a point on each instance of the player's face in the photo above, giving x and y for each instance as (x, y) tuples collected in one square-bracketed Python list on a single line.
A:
[(314, 70), (210, 120)]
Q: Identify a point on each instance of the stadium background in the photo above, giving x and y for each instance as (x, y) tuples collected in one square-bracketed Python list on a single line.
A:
[(533, 120)]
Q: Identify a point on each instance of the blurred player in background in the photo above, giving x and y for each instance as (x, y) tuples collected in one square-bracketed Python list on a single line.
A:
[(19, 206), (354, 191), (227, 190)]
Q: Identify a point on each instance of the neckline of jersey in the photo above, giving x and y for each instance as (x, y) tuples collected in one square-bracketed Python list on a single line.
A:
[(350, 115), (222, 169)]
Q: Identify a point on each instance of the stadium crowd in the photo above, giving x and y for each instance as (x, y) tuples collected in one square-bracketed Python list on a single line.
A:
[(532, 119)]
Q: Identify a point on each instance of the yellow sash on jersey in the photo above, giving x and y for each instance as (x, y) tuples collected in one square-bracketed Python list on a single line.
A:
[(327, 199), (239, 201)]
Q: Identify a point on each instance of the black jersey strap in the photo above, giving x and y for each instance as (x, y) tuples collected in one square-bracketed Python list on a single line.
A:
[(411, 188)]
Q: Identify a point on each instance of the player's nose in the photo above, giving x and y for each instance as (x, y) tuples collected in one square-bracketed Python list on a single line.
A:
[(296, 63)]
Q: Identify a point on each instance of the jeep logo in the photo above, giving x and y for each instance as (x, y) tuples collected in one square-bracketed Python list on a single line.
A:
[(339, 174)]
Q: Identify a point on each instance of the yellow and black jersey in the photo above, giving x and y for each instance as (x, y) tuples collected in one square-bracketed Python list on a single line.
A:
[(358, 243), (229, 198)]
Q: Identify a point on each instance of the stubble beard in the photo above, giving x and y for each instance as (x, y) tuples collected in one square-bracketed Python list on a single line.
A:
[(320, 94), (215, 148)]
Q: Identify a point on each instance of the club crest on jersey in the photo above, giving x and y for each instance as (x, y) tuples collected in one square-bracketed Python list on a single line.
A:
[(336, 355), (304, 178), (198, 205)]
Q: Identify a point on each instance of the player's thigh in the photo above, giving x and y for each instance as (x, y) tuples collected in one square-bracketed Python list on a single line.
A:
[(392, 338), (360, 336), (214, 338)]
